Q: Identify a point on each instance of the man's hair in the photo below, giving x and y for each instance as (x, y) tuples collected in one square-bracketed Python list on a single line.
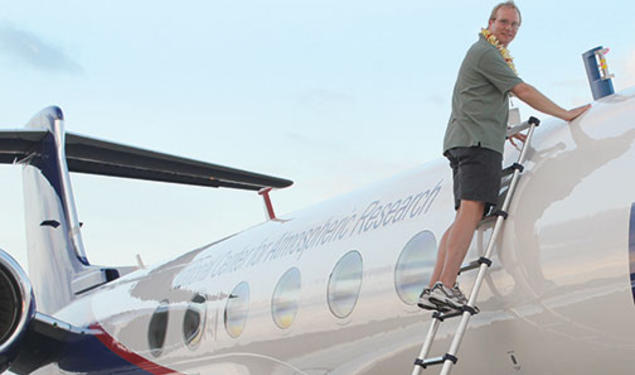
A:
[(509, 4)]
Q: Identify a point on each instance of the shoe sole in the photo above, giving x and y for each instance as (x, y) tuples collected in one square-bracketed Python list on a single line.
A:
[(433, 306), (447, 303)]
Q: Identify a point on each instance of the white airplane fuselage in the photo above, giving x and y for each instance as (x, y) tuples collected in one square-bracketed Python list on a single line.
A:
[(557, 299)]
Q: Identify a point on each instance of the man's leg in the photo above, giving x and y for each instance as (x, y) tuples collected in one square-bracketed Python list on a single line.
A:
[(438, 266), (459, 238)]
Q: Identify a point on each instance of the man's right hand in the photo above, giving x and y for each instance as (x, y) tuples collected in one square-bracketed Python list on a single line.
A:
[(572, 114)]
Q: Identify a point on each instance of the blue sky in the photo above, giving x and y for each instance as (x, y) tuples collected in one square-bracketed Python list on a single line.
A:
[(331, 94)]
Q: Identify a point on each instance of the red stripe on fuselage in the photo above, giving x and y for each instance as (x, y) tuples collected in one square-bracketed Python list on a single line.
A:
[(123, 352)]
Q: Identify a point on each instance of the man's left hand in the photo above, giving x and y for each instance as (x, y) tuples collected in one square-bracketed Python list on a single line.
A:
[(519, 136)]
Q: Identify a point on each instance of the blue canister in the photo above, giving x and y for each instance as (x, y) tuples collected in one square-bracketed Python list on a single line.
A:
[(597, 72)]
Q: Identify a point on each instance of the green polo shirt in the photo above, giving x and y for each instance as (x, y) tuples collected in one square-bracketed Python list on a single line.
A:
[(480, 101)]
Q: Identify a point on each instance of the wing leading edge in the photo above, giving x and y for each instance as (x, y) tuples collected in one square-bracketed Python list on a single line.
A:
[(94, 156)]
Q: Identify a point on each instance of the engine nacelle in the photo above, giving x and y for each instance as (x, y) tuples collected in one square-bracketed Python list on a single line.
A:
[(17, 308)]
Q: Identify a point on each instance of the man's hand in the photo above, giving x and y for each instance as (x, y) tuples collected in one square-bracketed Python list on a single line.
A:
[(521, 137), (572, 114)]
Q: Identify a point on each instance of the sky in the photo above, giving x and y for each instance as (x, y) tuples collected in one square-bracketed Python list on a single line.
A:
[(333, 95)]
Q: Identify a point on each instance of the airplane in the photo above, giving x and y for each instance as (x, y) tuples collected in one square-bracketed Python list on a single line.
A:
[(331, 289)]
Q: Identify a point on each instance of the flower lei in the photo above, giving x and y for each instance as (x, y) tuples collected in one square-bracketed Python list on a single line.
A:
[(503, 51)]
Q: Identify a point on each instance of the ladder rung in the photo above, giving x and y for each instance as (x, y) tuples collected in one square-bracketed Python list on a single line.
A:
[(502, 213), (516, 129), (475, 264), (486, 219), (473, 310), (446, 315), (494, 214), (436, 360), (509, 170)]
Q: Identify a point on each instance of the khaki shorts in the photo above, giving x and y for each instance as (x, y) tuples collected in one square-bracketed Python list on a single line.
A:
[(476, 172)]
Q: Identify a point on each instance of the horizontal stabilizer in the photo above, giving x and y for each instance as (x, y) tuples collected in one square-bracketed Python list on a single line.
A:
[(90, 155)]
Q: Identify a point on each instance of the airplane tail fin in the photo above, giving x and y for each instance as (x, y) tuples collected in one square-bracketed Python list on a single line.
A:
[(58, 266), (55, 249)]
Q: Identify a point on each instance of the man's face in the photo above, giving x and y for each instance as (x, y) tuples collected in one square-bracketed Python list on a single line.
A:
[(505, 26)]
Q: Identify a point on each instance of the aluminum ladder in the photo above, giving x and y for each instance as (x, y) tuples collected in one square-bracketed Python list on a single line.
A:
[(482, 264)]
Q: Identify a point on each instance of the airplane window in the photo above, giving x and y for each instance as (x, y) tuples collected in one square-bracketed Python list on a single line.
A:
[(344, 284), (194, 321), (158, 328), (236, 309), (414, 266), (284, 304)]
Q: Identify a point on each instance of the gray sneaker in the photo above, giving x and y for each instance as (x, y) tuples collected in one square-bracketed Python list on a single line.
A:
[(449, 298), (427, 304), (457, 292)]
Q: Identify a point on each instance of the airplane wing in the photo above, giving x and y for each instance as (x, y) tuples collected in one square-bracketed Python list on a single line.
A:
[(94, 156), (45, 341)]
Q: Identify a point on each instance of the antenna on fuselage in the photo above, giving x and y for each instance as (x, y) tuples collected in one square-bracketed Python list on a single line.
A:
[(140, 262)]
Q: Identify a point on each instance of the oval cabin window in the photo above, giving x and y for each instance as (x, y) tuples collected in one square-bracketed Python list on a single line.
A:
[(344, 284), (284, 303), (414, 266), (194, 321), (157, 328), (236, 310)]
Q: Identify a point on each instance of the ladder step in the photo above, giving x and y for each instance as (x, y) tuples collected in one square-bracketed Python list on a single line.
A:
[(502, 213), (436, 360), (516, 129), (493, 214), (475, 264), (509, 170), (487, 219), (473, 310)]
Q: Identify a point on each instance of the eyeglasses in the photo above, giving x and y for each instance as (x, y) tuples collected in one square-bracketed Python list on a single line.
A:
[(505, 23)]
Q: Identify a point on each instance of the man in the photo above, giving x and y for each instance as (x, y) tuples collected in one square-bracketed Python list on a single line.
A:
[(474, 142)]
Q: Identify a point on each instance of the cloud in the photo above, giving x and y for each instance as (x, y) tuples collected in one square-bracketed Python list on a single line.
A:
[(25, 47)]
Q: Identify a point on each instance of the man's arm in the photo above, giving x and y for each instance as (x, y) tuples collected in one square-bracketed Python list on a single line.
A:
[(538, 101)]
